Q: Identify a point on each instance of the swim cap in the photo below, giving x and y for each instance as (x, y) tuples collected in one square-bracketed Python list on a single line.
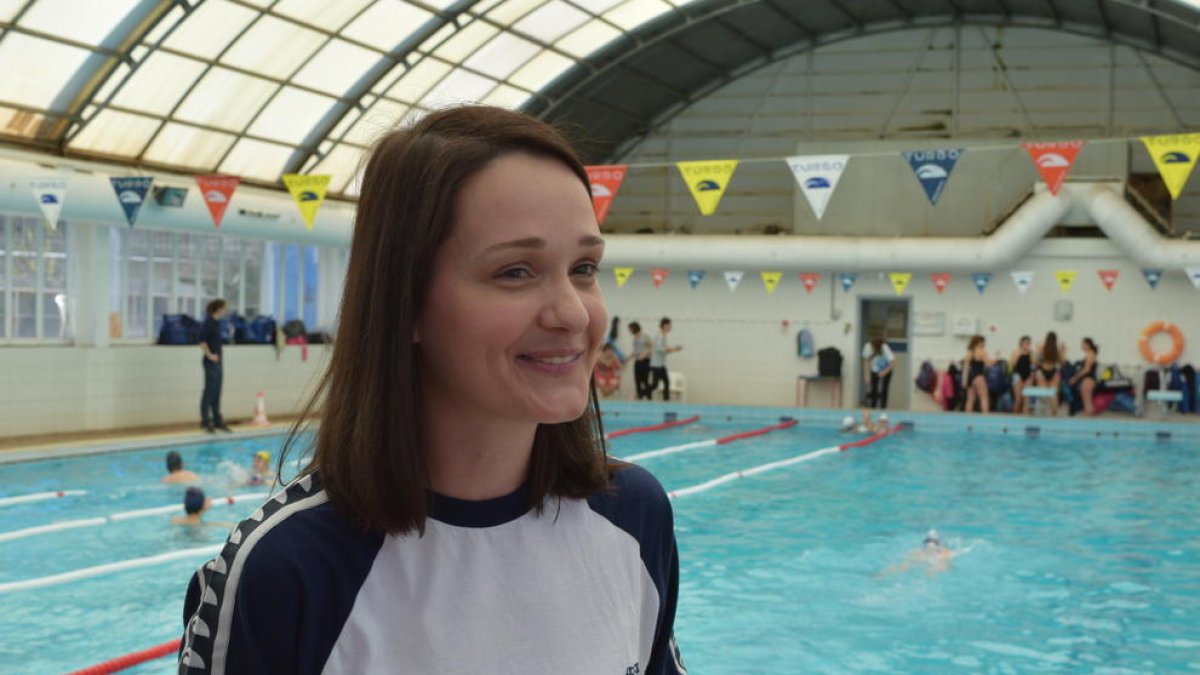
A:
[(847, 421), (263, 455), (883, 417), (931, 537), (193, 500)]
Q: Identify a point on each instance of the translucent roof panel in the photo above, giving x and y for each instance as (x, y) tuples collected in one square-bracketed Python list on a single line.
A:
[(273, 47), (256, 160), (385, 22), (36, 70), (225, 99), (211, 28), (159, 84), (290, 115), (335, 67), (183, 145), (85, 21)]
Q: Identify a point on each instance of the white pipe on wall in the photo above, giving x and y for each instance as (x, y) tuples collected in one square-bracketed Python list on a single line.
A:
[(1129, 231)]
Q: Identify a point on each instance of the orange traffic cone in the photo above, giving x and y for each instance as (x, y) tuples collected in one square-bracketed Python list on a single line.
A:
[(260, 412)]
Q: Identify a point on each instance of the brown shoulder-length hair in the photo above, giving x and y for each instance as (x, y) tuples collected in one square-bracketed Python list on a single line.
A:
[(367, 449)]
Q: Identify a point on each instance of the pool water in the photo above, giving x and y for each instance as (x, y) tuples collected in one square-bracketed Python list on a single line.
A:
[(1076, 554)]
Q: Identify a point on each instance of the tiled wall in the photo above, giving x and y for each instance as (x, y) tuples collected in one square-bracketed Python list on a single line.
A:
[(65, 389)]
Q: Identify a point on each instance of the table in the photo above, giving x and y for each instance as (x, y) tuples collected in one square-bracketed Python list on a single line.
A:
[(835, 389)]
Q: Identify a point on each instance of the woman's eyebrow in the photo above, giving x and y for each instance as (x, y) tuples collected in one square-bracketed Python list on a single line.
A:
[(587, 241)]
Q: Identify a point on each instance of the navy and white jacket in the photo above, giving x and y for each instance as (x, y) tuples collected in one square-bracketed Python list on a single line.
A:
[(587, 587)]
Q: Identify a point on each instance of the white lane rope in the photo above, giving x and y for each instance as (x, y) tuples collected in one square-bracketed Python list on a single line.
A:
[(109, 568), (40, 496)]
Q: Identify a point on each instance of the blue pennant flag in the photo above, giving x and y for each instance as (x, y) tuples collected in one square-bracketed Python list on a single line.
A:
[(933, 169), (847, 280), (1152, 277), (981, 280), (695, 277), (131, 193)]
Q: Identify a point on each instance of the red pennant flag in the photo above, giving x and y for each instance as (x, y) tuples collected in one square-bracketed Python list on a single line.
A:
[(605, 180), (1109, 278), (217, 191), (1054, 161), (658, 276), (940, 281), (810, 280)]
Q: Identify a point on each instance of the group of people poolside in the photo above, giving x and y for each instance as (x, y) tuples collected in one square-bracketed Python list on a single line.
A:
[(1042, 367), (649, 358)]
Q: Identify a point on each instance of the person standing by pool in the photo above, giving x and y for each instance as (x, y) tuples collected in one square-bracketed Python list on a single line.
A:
[(658, 361), (643, 346), (878, 362), (459, 513), (214, 368)]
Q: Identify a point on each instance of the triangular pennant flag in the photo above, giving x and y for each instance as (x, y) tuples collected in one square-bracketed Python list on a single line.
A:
[(1022, 280), (732, 279), (131, 193), (622, 275), (771, 281), (1109, 278), (1175, 157), (818, 177), (1152, 277), (940, 281), (1193, 274), (308, 192), (658, 276), (900, 281), (606, 180), (1065, 279), (50, 194), (847, 279), (933, 168), (981, 280), (707, 181), (216, 192), (810, 279), (695, 277), (1053, 161)]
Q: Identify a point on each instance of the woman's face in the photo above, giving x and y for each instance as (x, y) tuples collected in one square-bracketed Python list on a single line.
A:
[(514, 320)]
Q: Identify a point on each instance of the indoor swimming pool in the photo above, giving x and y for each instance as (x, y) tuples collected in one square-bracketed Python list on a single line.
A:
[(1072, 552)]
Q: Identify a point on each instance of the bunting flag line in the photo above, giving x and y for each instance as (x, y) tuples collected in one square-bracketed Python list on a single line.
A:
[(1065, 279), (900, 281), (707, 180), (1109, 278), (818, 177), (1023, 280), (606, 179), (308, 192), (622, 274), (981, 279), (1193, 274), (933, 168), (1175, 156), (771, 281), (732, 279), (1152, 277), (50, 194), (658, 276), (810, 280), (216, 192), (695, 277), (940, 281), (1053, 161), (131, 194), (847, 279)]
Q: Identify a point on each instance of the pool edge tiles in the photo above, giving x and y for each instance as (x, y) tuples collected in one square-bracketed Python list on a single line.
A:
[(41, 451)]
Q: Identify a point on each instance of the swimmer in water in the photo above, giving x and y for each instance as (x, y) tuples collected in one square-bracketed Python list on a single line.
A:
[(194, 506), (175, 471), (260, 469), (933, 555)]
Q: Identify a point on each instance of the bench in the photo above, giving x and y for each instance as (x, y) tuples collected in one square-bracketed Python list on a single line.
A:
[(1167, 399), (1036, 395)]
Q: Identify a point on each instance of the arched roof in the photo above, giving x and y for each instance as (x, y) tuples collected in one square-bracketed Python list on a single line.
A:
[(258, 88)]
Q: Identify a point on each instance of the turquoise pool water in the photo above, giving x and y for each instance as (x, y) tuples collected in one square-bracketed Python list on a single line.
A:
[(1080, 554)]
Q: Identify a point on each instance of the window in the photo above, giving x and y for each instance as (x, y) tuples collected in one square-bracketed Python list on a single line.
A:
[(35, 302)]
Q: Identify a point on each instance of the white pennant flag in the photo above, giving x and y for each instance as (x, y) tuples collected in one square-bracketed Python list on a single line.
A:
[(1193, 274), (1023, 280), (818, 177), (50, 193), (733, 279)]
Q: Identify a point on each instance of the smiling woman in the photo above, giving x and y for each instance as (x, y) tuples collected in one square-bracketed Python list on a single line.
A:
[(459, 513)]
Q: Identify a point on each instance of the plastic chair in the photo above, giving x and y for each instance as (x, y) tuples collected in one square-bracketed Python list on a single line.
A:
[(678, 385)]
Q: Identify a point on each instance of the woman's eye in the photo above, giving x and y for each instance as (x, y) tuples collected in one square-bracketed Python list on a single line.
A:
[(586, 269), (515, 273)]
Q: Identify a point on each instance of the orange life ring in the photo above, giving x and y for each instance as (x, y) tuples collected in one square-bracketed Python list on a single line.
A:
[(1166, 358)]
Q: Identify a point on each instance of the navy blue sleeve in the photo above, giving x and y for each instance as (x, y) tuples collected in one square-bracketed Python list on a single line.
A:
[(639, 505)]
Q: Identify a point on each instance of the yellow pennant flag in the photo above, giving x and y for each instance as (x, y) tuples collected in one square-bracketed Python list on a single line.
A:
[(1175, 156), (771, 281), (1065, 279), (308, 192), (707, 181), (622, 275), (900, 281)]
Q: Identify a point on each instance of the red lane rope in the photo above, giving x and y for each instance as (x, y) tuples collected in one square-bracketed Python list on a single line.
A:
[(757, 432), (130, 660), (653, 427), (870, 439)]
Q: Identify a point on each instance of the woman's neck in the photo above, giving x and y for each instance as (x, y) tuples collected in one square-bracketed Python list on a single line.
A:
[(476, 459)]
